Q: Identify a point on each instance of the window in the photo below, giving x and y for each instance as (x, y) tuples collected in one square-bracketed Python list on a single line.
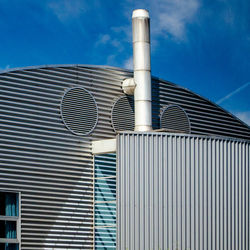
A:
[(9, 220), (105, 201)]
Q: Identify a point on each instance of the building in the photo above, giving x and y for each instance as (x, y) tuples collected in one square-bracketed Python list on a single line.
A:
[(183, 185)]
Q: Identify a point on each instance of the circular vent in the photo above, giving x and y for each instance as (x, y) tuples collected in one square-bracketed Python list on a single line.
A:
[(123, 114), (175, 119), (79, 111)]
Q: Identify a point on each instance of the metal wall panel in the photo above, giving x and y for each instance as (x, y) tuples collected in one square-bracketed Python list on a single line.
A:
[(182, 192), (53, 168), (41, 158), (206, 118)]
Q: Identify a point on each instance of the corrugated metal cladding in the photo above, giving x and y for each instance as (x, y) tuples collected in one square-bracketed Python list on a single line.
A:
[(105, 201), (40, 157), (53, 168), (182, 192), (205, 117)]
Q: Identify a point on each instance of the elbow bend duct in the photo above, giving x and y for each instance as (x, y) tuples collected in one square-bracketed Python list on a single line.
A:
[(142, 70)]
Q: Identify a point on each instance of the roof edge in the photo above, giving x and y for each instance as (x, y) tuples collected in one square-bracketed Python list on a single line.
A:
[(206, 99), (122, 69), (211, 137), (63, 65)]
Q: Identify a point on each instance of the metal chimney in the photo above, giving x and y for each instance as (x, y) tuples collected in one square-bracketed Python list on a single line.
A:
[(140, 85), (142, 70)]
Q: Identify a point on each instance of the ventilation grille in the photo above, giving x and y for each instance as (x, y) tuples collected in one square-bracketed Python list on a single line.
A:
[(175, 119), (123, 114), (79, 111)]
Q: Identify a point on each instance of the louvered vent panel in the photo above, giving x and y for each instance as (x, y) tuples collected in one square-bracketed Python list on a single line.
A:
[(123, 114), (79, 111), (174, 118)]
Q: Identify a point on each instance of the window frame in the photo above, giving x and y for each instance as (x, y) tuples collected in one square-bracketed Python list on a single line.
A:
[(17, 219)]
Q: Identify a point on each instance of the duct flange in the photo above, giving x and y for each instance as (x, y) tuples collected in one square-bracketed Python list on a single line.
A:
[(128, 86)]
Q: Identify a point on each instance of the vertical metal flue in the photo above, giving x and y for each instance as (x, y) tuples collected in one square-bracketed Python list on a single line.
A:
[(142, 70)]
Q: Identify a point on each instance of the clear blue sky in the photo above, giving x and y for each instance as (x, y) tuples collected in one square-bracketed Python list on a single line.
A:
[(201, 45)]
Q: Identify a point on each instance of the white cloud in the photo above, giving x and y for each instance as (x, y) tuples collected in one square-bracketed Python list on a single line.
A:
[(65, 9), (116, 43), (124, 31), (103, 39), (172, 16), (4, 68), (111, 60), (244, 116), (168, 17), (128, 64), (229, 16)]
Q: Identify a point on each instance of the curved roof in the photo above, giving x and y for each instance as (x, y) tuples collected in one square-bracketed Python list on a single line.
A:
[(126, 74)]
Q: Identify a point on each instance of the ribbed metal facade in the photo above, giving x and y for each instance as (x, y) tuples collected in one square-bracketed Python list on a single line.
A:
[(41, 158), (205, 117), (52, 167), (182, 192), (123, 114)]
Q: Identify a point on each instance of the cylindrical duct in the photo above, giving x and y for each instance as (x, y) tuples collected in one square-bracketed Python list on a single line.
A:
[(142, 70)]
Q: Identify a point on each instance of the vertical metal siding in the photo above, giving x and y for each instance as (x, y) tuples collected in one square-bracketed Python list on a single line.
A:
[(182, 192), (105, 201)]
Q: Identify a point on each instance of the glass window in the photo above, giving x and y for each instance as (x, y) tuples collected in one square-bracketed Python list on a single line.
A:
[(9, 220)]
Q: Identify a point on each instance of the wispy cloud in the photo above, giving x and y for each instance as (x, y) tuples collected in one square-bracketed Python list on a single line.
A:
[(108, 40), (66, 9), (4, 68), (233, 93), (103, 39), (124, 31), (169, 17), (111, 60), (128, 64), (244, 116), (229, 16), (172, 17)]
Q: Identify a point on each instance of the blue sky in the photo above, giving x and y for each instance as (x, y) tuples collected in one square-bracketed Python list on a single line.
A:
[(201, 45)]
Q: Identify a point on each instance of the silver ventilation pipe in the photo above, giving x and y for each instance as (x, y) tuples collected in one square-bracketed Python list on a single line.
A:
[(142, 70), (140, 85)]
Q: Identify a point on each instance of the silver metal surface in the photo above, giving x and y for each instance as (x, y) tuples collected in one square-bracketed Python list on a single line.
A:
[(182, 192), (128, 86), (53, 168), (173, 117), (206, 118), (79, 111), (41, 158), (123, 114), (142, 70)]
